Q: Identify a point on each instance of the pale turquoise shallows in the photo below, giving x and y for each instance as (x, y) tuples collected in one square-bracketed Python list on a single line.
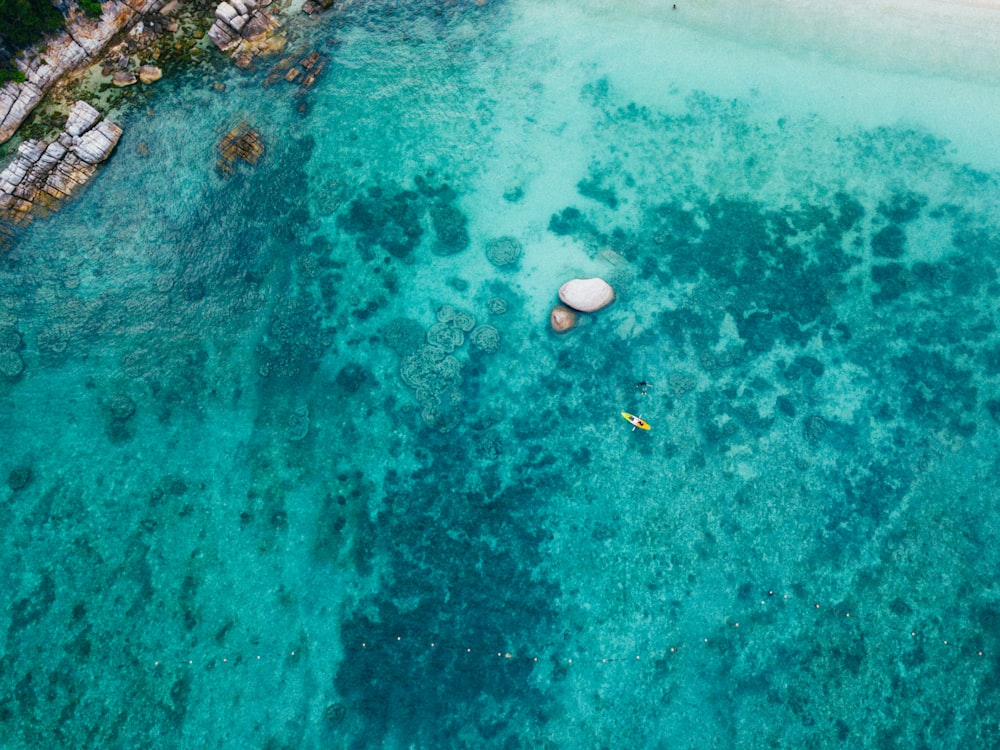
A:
[(295, 460)]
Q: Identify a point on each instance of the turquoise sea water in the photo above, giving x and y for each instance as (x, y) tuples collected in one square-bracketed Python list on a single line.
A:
[(269, 482)]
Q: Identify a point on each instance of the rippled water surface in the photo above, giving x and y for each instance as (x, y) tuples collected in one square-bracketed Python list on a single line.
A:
[(295, 461)]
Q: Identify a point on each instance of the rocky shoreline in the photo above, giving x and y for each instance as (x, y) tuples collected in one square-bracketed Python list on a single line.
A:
[(129, 37), (81, 44), (44, 173)]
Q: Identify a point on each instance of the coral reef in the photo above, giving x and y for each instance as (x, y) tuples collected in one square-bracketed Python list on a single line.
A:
[(11, 364), (298, 424), (121, 407), (486, 338), (504, 252), (450, 225), (403, 335), (436, 378), (446, 336)]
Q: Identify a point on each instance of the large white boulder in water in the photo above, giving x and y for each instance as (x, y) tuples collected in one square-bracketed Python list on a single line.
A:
[(587, 295)]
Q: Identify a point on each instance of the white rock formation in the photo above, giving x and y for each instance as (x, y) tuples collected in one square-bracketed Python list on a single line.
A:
[(587, 295), (239, 20), (44, 173)]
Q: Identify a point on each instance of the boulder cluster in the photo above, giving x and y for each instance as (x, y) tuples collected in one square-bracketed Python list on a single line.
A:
[(146, 74), (44, 173), (237, 21), (579, 295)]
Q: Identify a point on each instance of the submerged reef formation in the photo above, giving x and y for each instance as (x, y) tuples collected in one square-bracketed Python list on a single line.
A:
[(504, 252), (242, 142), (298, 424), (44, 173), (11, 364), (391, 218), (300, 68), (432, 371)]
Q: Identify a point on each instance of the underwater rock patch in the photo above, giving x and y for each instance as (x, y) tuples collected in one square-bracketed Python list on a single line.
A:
[(562, 319), (121, 407), (814, 427), (11, 364), (450, 226), (889, 242), (403, 335), (19, 478), (298, 424), (242, 142), (680, 383), (10, 339), (352, 377)]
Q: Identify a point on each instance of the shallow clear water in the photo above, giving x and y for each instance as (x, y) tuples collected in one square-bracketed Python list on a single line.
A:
[(246, 506)]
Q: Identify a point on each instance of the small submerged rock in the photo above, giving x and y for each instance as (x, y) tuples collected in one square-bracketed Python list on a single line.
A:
[(149, 73), (123, 78), (19, 478), (562, 319), (242, 142)]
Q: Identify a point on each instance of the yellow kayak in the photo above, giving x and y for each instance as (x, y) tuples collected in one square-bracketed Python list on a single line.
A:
[(635, 421)]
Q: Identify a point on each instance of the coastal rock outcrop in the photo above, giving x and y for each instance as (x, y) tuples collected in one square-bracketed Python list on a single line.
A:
[(80, 44), (238, 21), (587, 295), (44, 173)]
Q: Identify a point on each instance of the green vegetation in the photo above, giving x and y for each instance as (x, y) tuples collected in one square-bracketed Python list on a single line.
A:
[(11, 74), (23, 22), (92, 8)]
